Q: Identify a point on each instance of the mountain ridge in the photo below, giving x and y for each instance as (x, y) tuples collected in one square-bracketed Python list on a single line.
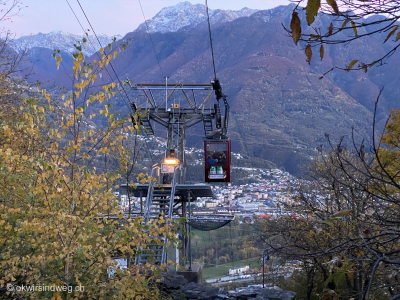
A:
[(183, 15), (280, 109), (61, 40)]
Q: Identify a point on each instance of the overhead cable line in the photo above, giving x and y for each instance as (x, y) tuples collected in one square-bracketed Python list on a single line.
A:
[(76, 17), (129, 107), (115, 73), (112, 67), (211, 44), (151, 39)]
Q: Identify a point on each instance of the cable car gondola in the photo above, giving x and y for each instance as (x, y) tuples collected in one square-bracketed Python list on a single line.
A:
[(217, 146), (217, 160)]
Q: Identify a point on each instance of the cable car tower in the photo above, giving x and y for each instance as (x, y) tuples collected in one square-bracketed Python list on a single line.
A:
[(176, 118), (169, 194)]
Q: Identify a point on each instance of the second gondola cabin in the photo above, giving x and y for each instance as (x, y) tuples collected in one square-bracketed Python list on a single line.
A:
[(217, 160)]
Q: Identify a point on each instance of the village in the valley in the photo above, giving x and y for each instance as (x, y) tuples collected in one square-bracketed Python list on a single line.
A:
[(268, 193)]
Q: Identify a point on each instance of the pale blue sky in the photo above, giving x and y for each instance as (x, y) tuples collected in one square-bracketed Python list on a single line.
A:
[(107, 16)]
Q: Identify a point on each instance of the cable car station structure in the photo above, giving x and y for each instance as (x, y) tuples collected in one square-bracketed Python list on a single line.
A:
[(177, 119), (167, 193)]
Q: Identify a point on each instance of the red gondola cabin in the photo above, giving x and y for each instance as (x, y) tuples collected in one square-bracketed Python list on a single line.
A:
[(217, 160)]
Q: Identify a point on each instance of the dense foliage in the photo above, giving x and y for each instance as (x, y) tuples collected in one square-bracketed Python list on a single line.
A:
[(60, 223), (346, 225)]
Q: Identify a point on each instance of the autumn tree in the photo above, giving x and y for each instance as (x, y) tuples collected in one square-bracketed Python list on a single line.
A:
[(317, 230), (60, 223), (345, 222), (350, 21)]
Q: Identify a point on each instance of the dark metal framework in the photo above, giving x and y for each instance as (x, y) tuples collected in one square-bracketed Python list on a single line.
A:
[(178, 117)]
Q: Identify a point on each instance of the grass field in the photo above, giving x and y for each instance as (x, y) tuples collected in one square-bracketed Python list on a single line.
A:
[(222, 270), (204, 235)]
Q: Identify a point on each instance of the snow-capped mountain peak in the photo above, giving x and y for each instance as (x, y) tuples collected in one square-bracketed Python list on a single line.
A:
[(187, 15), (60, 40), (183, 15)]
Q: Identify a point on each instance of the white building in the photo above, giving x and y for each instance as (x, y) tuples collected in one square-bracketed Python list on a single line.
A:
[(239, 271)]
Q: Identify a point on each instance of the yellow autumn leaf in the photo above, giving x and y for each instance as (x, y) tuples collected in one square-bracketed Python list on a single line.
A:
[(354, 28), (345, 23), (352, 63), (334, 5), (391, 32), (58, 61), (77, 63), (312, 10)]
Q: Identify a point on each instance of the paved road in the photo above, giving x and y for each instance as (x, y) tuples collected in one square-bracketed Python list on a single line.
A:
[(229, 279), (244, 278)]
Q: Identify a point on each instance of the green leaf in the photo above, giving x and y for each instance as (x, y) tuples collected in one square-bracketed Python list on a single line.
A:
[(335, 277), (78, 47), (295, 26), (334, 6), (312, 10)]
